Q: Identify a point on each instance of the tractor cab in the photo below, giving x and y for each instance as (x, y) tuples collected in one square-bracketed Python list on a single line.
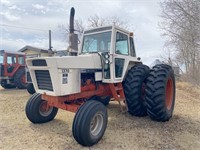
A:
[(11, 66), (116, 48)]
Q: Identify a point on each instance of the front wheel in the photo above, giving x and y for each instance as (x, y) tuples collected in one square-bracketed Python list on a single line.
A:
[(160, 93), (30, 88), (90, 123), (38, 110)]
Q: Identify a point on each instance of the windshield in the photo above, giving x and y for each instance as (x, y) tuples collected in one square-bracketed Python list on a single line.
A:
[(1, 58), (98, 42)]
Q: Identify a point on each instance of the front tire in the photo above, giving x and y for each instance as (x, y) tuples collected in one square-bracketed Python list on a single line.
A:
[(38, 110), (134, 89), (160, 93), (90, 123)]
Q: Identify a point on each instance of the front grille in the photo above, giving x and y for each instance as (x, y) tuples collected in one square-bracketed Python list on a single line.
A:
[(39, 62), (43, 80)]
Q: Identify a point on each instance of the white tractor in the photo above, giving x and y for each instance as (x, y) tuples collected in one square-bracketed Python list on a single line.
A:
[(106, 68)]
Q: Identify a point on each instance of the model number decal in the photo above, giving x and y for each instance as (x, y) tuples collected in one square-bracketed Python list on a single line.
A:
[(64, 78), (65, 70)]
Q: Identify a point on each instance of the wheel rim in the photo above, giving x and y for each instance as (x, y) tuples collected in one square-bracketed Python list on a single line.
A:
[(169, 93), (44, 109), (96, 124)]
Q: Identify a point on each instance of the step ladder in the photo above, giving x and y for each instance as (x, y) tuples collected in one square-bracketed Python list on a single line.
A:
[(118, 95)]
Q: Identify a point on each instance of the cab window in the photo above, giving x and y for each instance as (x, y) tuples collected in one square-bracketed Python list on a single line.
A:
[(121, 46), (21, 60), (11, 59), (1, 59), (132, 47)]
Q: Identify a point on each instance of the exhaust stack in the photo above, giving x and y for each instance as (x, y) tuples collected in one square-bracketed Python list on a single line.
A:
[(71, 20), (73, 38)]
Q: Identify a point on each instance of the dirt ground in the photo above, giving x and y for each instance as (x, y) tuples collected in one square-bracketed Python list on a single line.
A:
[(124, 131)]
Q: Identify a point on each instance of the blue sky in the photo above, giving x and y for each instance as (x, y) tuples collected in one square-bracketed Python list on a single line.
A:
[(25, 22)]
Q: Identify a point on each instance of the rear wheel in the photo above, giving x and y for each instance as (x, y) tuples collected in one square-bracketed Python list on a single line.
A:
[(38, 110), (160, 93), (90, 123), (7, 86), (134, 89), (19, 79), (30, 88)]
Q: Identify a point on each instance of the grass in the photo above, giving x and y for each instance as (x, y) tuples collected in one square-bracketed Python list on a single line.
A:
[(189, 88)]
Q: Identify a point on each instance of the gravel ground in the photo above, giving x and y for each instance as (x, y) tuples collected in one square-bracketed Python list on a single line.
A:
[(182, 132)]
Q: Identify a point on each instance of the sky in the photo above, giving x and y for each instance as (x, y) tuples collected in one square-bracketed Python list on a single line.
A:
[(26, 22)]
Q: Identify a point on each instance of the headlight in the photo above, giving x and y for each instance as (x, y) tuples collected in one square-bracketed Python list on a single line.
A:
[(107, 56), (107, 61)]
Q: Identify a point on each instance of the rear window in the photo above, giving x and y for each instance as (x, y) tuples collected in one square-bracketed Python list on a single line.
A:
[(1, 59)]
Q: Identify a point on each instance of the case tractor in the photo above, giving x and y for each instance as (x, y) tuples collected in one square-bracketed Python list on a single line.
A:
[(106, 68), (12, 69)]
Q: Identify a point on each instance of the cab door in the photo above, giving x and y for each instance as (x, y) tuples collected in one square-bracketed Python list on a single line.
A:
[(121, 53), (10, 64)]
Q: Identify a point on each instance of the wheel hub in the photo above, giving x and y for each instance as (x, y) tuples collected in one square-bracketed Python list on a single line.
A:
[(96, 124), (169, 93), (45, 109)]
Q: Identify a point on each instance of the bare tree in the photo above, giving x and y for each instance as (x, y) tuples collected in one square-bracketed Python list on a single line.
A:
[(181, 26), (97, 21), (93, 21)]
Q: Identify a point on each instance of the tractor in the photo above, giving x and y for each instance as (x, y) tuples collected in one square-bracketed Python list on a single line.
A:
[(12, 69), (106, 68)]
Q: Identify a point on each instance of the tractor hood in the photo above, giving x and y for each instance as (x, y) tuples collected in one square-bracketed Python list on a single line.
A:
[(53, 75), (87, 61)]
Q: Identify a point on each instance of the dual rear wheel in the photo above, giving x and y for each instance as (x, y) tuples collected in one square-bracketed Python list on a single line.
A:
[(150, 92)]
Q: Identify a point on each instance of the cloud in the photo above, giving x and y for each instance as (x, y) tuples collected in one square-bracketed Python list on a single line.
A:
[(5, 2), (13, 7), (141, 15), (9, 16), (38, 6)]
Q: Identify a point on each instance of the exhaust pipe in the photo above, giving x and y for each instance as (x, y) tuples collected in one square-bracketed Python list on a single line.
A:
[(73, 38), (50, 51), (71, 20)]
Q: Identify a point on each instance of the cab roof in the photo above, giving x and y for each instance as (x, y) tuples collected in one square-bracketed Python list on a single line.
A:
[(105, 28), (11, 52)]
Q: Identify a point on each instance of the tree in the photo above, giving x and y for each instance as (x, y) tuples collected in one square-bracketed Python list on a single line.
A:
[(94, 21), (98, 21), (181, 27)]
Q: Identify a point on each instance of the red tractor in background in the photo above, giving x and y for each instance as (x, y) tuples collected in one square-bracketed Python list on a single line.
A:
[(12, 69)]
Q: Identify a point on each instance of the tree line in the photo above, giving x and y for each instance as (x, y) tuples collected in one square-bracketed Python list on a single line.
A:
[(181, 27)]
